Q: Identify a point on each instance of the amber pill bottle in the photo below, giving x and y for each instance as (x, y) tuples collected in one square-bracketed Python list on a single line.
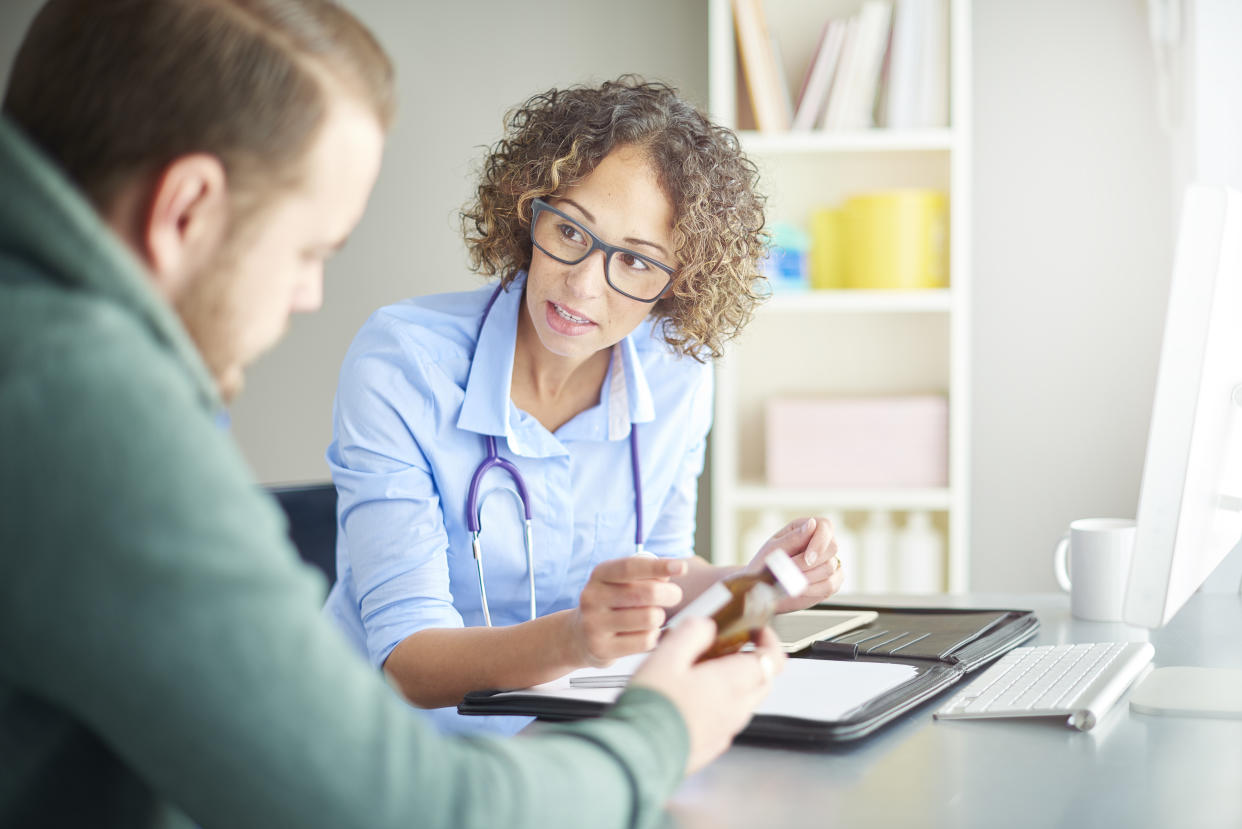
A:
[(744, 603)]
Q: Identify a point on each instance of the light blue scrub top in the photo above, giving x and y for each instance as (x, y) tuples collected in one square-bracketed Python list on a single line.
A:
[(419, 389)]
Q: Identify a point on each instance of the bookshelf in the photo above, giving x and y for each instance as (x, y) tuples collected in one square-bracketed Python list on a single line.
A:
[(844, 342)]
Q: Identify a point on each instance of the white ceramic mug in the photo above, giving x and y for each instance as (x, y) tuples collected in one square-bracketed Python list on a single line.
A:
[(1092, 564)]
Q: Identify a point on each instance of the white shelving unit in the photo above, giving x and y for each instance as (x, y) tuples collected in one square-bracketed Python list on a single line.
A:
[(845, 342)]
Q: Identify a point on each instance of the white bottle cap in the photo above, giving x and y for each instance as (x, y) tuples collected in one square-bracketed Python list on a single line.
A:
[(787, 573)]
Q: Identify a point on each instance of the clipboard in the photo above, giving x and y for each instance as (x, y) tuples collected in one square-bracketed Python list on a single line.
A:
[(938, 646)]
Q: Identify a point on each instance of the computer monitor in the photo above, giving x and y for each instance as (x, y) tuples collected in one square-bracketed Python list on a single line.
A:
[(1190, 501)]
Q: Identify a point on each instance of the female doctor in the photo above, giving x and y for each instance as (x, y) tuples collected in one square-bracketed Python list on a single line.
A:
[(501, 454)]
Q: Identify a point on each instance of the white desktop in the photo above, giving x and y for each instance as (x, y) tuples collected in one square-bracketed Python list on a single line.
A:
[(1190, 501)]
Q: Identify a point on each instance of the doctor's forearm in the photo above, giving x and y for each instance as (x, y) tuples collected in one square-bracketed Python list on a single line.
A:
[(436, 667)]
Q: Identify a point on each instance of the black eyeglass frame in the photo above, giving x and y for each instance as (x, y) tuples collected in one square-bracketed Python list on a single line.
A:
[(539, 205)]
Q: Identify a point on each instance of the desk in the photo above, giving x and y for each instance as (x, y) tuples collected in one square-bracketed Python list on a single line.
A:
[(1131, 770)]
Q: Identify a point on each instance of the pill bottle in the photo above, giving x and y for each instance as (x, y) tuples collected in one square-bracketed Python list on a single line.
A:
[(744, 603)]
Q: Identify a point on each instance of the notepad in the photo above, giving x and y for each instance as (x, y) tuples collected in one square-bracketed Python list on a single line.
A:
[(811, 689)]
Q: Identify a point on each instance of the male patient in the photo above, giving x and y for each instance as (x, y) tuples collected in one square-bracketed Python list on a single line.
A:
[(174, 174)]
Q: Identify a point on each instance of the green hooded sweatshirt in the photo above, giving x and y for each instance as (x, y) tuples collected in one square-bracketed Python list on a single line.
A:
[(163, 660)]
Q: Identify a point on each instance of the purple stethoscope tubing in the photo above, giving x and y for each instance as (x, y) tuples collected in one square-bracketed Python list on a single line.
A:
[(474, 504)]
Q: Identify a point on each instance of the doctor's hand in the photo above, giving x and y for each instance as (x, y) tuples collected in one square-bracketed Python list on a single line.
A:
[(812, 546), (716, 697), (622, 607)]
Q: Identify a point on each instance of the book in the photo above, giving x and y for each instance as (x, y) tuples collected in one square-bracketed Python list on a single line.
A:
[(905, 56), (768, 94), (852, 101), (818, 80), (917, 84), (810, 66), (934, 69), (843, 78), (784, 99), (874, 27)]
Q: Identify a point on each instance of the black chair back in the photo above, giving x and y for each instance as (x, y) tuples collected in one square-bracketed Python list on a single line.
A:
[(311, 510)]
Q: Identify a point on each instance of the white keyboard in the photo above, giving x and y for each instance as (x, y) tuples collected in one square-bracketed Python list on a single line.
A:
[(1078, 682)]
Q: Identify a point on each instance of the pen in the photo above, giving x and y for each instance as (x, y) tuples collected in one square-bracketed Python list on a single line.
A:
[(602, 681)]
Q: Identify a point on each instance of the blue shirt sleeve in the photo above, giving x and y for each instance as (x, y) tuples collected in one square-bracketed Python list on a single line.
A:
[(391, 525), (672, 535)]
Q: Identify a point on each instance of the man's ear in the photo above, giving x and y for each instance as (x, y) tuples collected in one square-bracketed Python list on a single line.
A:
[(186, 220)]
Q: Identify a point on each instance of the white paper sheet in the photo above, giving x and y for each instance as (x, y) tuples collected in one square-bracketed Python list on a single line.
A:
[(828, 689), (815, 689)]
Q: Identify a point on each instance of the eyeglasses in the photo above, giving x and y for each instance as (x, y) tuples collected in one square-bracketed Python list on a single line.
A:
[(566, 240)]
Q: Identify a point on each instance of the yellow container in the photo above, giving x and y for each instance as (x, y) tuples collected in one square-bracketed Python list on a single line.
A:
[(897, 240), (827, 249)]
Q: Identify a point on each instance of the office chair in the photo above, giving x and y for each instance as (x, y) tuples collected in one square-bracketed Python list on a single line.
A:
[(311, 511)]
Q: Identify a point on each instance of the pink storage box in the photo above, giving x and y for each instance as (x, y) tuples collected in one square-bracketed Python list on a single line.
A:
[(858, 441)]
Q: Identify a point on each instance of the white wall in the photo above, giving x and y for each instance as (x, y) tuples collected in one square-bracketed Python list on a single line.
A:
[(1072, 233), (1071, 270)]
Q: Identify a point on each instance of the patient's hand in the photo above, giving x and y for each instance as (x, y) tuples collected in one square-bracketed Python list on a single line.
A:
[(716, 697)]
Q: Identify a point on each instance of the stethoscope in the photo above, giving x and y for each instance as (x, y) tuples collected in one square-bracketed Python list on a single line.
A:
[(474, 504)]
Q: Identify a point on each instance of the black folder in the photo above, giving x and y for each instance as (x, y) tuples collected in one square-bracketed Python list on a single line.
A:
[(942, 645)]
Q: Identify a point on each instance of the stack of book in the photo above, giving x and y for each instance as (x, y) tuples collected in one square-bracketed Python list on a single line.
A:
[(884, 66)]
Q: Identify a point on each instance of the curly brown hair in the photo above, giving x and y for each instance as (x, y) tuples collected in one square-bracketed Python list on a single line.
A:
[(557, 138)]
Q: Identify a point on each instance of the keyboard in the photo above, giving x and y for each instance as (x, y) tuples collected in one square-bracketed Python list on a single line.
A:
[(1078, 682)]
